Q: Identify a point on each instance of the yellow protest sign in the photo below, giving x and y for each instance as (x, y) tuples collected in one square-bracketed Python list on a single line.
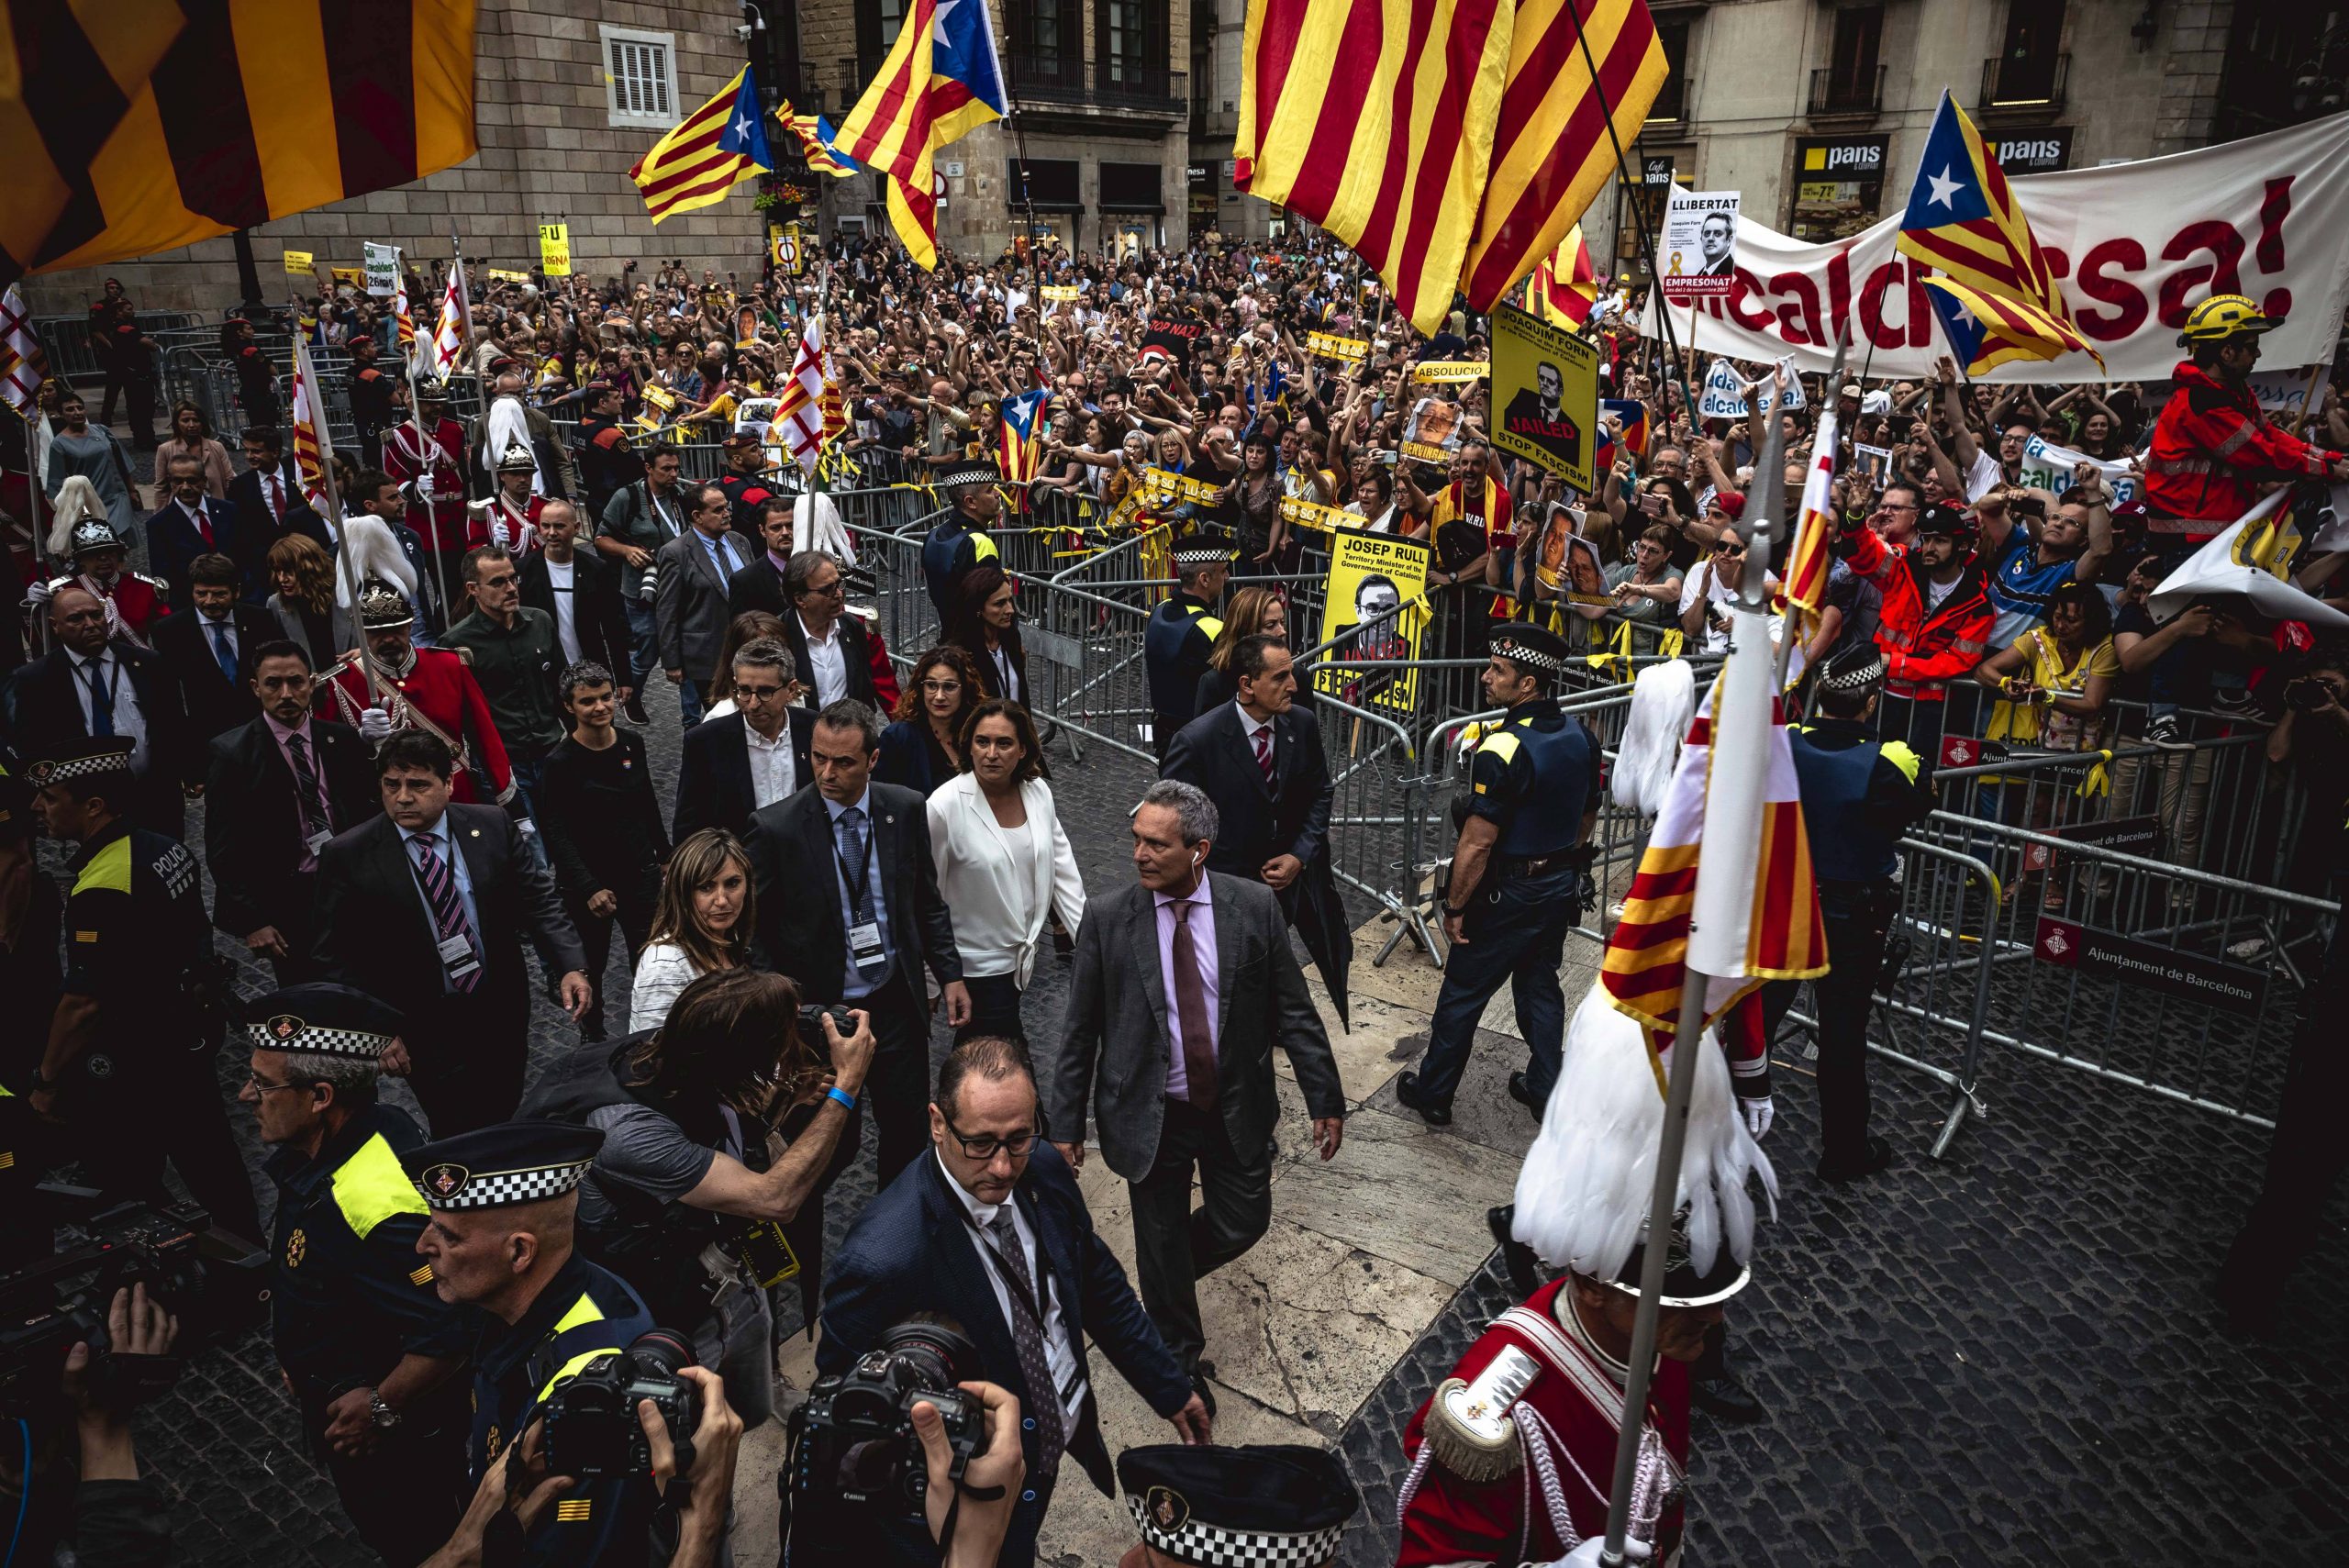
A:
[(1060, 294), (1304, 513), (1450, 370), (661, 398), (785, 245), (1329, 346), (300, 263), (554, 249), (355, 276), (507, 275), (1377, 612), (1545, 395)]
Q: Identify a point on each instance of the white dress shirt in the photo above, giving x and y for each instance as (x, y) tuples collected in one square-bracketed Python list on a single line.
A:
[(827, 661), (1250, 728), (129, 722), (1059, 1354), (772, 774), (563, 579)]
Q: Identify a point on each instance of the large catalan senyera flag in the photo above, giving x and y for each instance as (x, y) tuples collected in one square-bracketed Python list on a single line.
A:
[(708, 153), (799, 419), (22, 365), (1563, 289), (815, 136), (130, 128), (1815, 524), (1453, 143), (1997, 297), (310, 440), (1734, 806), (940, 78)]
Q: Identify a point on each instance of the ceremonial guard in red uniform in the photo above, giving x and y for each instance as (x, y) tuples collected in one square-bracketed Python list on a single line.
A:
[(426, 458), (134, 602), (509, 520), (423, 688)]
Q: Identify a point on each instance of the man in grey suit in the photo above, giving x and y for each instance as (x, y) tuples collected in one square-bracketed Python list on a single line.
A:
[(1183, 983), (689, 597)]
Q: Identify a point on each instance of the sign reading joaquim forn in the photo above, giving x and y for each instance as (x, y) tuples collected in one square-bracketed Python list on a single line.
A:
[(2228, 987)]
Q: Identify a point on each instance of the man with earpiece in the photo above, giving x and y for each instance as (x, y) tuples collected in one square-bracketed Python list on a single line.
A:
[(1171, 1062)]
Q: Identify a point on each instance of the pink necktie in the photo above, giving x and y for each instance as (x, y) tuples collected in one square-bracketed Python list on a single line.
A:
[(1264, 752)]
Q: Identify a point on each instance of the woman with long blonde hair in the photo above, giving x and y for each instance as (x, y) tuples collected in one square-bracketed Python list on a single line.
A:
[(303, 602), (1254, 611), (702, 925)]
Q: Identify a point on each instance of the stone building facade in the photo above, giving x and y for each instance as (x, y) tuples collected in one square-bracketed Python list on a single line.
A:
[(567, 98)]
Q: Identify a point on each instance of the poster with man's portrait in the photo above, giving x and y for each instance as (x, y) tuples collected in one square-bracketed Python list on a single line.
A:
[(1545, 382), (1567, 566), (1700, 249), (1378, 611)]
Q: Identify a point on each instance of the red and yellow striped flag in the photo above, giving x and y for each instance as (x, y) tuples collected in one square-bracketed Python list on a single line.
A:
[(1815, 527), (1453, 143), (134, 128), (1564, 286), (311, 439), (708, 153)]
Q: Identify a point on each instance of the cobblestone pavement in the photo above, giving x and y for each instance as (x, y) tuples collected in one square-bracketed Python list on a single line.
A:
[(2008, 1357)]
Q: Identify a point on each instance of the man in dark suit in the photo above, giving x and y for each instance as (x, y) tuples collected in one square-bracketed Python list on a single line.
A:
[(1184, 984), (266, 822), (745, 761), (208, 647), (689, 613), (87, 686), (269, 501), (191, 524), (1259, 758), (585, 602), (759, 585), (840, 656), (428, 903), (993, 1232), (849, 907)]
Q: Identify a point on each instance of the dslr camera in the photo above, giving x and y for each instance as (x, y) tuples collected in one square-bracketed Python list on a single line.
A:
[(592, 1429), (854, 1450), (812, 1017), (213, 1282)]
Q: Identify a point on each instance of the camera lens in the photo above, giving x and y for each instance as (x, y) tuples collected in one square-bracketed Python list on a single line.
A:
[(659, 1348), (935, 1355)]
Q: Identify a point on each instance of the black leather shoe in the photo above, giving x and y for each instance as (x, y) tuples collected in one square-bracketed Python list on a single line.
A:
[(1879, 1156), (1522, 1093), (1725, 1399), (1524, 1268), (1204, 1367), (634, 709), (1406, 1089)]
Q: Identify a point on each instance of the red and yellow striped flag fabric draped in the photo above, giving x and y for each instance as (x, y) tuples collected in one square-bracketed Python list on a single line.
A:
[(311, 440), (1807, 561), (129, 128), (1564, 286), (1453, 143)]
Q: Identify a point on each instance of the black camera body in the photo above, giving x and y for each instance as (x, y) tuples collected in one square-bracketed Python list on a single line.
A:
[(855, 1449), (812, 1017), (2306, 693), (208, 1279), (592, 1428)]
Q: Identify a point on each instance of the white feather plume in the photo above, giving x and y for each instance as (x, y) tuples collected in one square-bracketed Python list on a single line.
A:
[(77, 498), (1663, 700), (1582, 1194), (374, 551)]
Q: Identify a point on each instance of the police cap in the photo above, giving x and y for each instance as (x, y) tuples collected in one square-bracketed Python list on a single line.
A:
[(972, 472), (1267, 1506), (324, 1020), (498, 1167), (1204, 547), (1858, 668), (1530, 647), (83, 757)]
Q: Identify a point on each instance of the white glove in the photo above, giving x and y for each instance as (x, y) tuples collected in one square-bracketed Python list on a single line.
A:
[(374, 725), (1759, 1113), (500, 535), (1588, 1554), (38, 591)]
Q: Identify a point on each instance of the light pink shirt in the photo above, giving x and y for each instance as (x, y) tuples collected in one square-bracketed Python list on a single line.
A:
[(310, 741), (1202, 923)]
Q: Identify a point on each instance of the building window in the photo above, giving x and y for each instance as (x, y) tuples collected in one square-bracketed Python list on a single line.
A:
[(1132, 187), (639, 76), (1671, 104), (1130, 41), (878, 23), (2028, 71), (1852, 65)]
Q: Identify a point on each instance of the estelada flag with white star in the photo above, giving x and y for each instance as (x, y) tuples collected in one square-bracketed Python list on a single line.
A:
[(1997, 298), (708, 153)]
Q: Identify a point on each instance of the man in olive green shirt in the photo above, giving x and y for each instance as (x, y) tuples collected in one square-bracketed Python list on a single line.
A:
[(516, 658)]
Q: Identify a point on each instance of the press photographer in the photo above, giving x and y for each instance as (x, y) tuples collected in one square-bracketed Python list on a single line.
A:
[(689, 1198)]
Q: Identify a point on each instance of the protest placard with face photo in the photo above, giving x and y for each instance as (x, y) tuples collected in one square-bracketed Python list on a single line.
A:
[(1376, 596), (1545, 382), (1700, 249)]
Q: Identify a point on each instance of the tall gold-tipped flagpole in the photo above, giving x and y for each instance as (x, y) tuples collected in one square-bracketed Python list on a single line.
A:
[(313, 405)]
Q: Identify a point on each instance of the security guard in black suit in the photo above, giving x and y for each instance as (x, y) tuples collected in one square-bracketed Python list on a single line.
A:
[(1859, 796), (369, 1348), (504, 1201), (129, 1063), (1180, 632), (1533, 797)]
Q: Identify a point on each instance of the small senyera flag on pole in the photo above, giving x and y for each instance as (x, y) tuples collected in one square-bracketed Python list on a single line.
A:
[(1815, 525), (708, 153), (312, 442), (449, 330)]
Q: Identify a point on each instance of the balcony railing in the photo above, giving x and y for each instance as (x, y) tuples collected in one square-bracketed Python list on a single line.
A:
[(1057, 77), (2025, 82), (1842, 93), (1139, 84)]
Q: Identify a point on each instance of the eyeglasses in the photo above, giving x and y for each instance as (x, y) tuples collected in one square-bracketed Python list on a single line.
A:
[(253, 1082), (942, 688), (759, 694), (1016, 1145), (828, 589), (1727, 547)]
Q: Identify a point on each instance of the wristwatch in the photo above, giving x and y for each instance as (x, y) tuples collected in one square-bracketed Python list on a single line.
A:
[(382, 1415)]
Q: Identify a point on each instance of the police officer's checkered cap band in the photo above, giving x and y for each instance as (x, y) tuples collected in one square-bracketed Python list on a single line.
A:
[(500, 1189), (40, 775), (1216, 1547), (317, 1040), (1531, 658), (1199, 554), (1858, 678)]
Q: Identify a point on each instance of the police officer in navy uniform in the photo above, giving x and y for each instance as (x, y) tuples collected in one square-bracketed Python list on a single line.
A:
[(1180, 632), (128, 1058), (369, 1348), (504, 1201), (1859, 796), (1534, 796), (960, 542)]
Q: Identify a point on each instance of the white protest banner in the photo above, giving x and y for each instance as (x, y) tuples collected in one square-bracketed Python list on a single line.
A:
[(2136, 245), (2286, 392), (1699, 248), (1794, 385), (1724, 394), (2051, 467), (382, 265)]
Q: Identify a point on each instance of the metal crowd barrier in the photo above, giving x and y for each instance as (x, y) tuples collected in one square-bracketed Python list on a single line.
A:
[(74, 359)]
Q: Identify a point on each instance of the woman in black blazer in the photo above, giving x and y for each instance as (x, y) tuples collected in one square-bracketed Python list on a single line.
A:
[(922, 750), (984, 625)]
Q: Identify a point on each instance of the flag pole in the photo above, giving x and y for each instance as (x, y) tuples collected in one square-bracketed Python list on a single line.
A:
[(316, 407), (1751, 603), (426, 442)]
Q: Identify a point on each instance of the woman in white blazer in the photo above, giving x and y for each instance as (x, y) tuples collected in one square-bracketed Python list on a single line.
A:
[(1004, 863)]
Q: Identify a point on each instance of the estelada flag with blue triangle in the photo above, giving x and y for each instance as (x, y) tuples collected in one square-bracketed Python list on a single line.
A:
[(1998, 298), (708, 153), (1021, 446)]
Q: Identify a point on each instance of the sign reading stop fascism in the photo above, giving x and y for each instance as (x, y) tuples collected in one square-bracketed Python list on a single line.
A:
[(2135, 245)]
